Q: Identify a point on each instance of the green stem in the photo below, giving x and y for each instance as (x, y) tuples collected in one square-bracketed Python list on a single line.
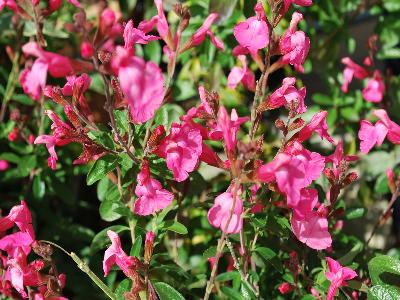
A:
[(85, 268), (11, 83)]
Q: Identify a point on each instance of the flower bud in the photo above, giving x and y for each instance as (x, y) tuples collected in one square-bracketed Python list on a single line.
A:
[(280, 125), (13, 135), (148, 246), (156, 136), (285, 288), (4, 165)]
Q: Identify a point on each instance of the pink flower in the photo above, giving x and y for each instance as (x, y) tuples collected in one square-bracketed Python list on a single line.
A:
[(371, 135), (4, 165), (50, 142), (151, 196), (229, 127), (200, 35), (243, 75), (142, 84), (115, 255), (352, 70), (308, 200), (338, 276), (294, 44), (182, 149), (285, 287), (33, 80), (81, 83), (286, 4), (11, 4), (253, 34), (218, 214), (18, 240), (312, 230), (375, 88), (289, 174), (87, 50), (288, 94), (20, 216), (134, 36), (317, 124), (338, 157)]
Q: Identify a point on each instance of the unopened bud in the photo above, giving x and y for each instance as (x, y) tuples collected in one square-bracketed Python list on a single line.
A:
[(296, 124), (330, 175), (148, 246), (104, 56), (156, 136), (280, 125), (350, 178)]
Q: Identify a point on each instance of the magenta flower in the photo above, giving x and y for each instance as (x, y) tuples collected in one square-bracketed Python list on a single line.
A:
[(288, 94), (309, 226), (294, 44), (229, 127), (318, 125), (371, 135), (338, 157), (352, 70), (33, 80), (134, 36), (142, 83), (182, 149), (4, 165), (375, 88), (200, 35), (287, 3), (253, 34), (115, 255), (20, 216), (338, 276), (18, 240), (151, 196), (218, 214), (242, 74)]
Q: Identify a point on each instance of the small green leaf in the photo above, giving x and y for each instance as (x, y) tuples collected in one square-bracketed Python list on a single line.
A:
[(227, 276), (380, 266), (137, 246), (270, 256), (210, 252), (231, 293), (174, 226), (38, 187), (108, 209), (167, 292), (101, 168), (122, 288), (355, 213)]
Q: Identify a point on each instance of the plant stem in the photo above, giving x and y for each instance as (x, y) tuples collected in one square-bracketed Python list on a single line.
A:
[(395, 195), (85, 268), (221, 242), (11, 83)]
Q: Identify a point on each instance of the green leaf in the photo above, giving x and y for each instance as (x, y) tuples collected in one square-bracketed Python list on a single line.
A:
[(227, 276), (231, 293), (355, 213), (167, 114), (122, 288), (122, 119), (270, 256), (167, 292), (224, 8), (391, 5), (380, 266), (101, 240), (38, 187), (383, 292), (210, 252), (101, 168), (322, 99), (153, 52), (174, 226), (137, 246), (108, 209), (349, 257)]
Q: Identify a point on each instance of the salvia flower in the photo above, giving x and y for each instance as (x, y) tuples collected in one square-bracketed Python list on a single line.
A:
[(351, 70), (288, 94), (253, 34), (294, 44), (375, 88), (337, 275), (151, 196), (242, 74)]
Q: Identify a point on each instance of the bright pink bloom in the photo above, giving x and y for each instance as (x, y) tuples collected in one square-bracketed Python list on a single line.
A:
[(116, 255), (87, 50), (312, 229), (134, 36), (81, 82), (75, 3), (142, 83), (375, 88), (338, 156), (317, 124), (286, 4), (20, 216), (253, 34), (11, 4), (352, 70), (218, 214), (243, 75), (287, 94), (182, 149), (4, 165), (229, 127), (162, 23), (149, 237), (288, 172), (33, 80), (18, 240), (294, 44), (285, 287), (200, 35), (308, 200), (151, 196), (338, 276)]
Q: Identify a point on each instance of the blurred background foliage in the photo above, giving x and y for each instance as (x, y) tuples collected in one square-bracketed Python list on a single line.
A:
[(66, 210)]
